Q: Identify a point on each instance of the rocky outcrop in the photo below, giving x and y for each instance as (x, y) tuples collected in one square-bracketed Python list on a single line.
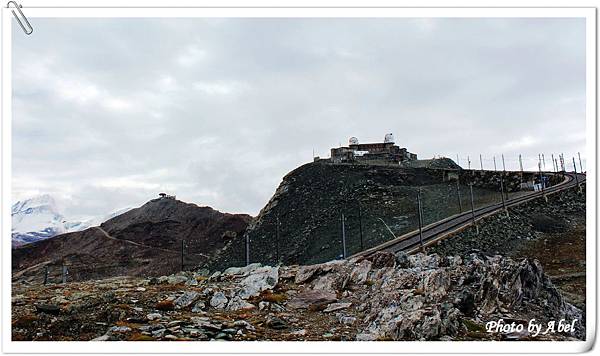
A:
[(385, 297)]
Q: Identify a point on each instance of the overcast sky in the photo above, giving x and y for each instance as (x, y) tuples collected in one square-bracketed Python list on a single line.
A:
[(110, 112)]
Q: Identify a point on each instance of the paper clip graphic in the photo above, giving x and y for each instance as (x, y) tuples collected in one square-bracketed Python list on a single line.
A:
[(29, 30)]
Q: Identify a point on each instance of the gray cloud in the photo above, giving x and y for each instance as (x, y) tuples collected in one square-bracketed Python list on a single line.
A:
[(108, 112)]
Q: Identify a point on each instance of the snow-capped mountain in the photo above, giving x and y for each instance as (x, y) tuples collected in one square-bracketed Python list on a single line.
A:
[(39, 218)]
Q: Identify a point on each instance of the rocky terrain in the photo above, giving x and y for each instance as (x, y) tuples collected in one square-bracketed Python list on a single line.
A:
[(302, 222), (144, 241), (387, 297), (551, 231)]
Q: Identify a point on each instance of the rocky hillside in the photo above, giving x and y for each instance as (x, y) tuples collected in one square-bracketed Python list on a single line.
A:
[(387, 297), (551, 230), (143, 241), (302, 221)]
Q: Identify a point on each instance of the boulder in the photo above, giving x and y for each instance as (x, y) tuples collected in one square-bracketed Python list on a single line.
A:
[(218, 300), (241, 270), (307, 273), (402, 260), (237, 303), (360, 272), (47, 309), (336, 306), (199, 306), (186, 299), (258, 280), (312, 298)]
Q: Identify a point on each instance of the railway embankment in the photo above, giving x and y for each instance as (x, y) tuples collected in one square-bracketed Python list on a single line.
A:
[(551, 231)]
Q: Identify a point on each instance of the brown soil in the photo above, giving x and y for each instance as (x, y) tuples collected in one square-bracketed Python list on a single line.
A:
[(563, 257)]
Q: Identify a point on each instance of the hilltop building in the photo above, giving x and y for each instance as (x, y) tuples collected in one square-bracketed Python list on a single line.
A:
[(166, 196), (380, 151)]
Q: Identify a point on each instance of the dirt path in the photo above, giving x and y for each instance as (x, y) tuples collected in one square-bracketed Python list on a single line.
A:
[(107, 235)]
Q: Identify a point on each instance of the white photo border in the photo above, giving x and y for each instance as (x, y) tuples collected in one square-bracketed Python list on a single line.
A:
[(291, 347)]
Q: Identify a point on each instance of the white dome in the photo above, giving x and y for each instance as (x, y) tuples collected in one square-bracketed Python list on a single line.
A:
[(353, 141), (389, 138)]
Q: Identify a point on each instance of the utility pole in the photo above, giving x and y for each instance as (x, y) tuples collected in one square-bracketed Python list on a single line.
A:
[(539, 160), (553, 166), (503, 165), (343, 237), (277, 240), (458, 195), (360, 227), (495, 164), (420, 217), (580, 165), (469, 161), (521, 163), (473, 209), (481, 161)]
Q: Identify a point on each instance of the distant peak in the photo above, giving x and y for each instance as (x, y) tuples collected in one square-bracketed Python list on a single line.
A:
[(43, 200)]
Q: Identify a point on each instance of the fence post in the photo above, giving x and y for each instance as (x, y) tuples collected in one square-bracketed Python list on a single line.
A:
[(543, 162), (277, 240), (64, 274), (420, 218), (182, 243), (362, 247), (458, 195), (521, 163), (502, 193), (343, 237), (575, 171), (541, 176), (473, 209)]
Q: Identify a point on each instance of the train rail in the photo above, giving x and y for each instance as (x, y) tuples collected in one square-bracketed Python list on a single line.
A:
[(411, 242)]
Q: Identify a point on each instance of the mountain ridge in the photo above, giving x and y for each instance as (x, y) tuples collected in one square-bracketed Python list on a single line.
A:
[(148, 240)]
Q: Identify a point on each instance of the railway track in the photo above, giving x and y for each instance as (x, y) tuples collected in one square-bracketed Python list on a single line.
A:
[(411, 242)]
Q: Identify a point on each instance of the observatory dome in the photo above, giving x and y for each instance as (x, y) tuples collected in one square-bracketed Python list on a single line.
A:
[(389, 138), (353, 141)]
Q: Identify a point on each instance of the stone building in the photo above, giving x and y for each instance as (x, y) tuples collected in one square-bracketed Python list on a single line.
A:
[(380, 151)]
